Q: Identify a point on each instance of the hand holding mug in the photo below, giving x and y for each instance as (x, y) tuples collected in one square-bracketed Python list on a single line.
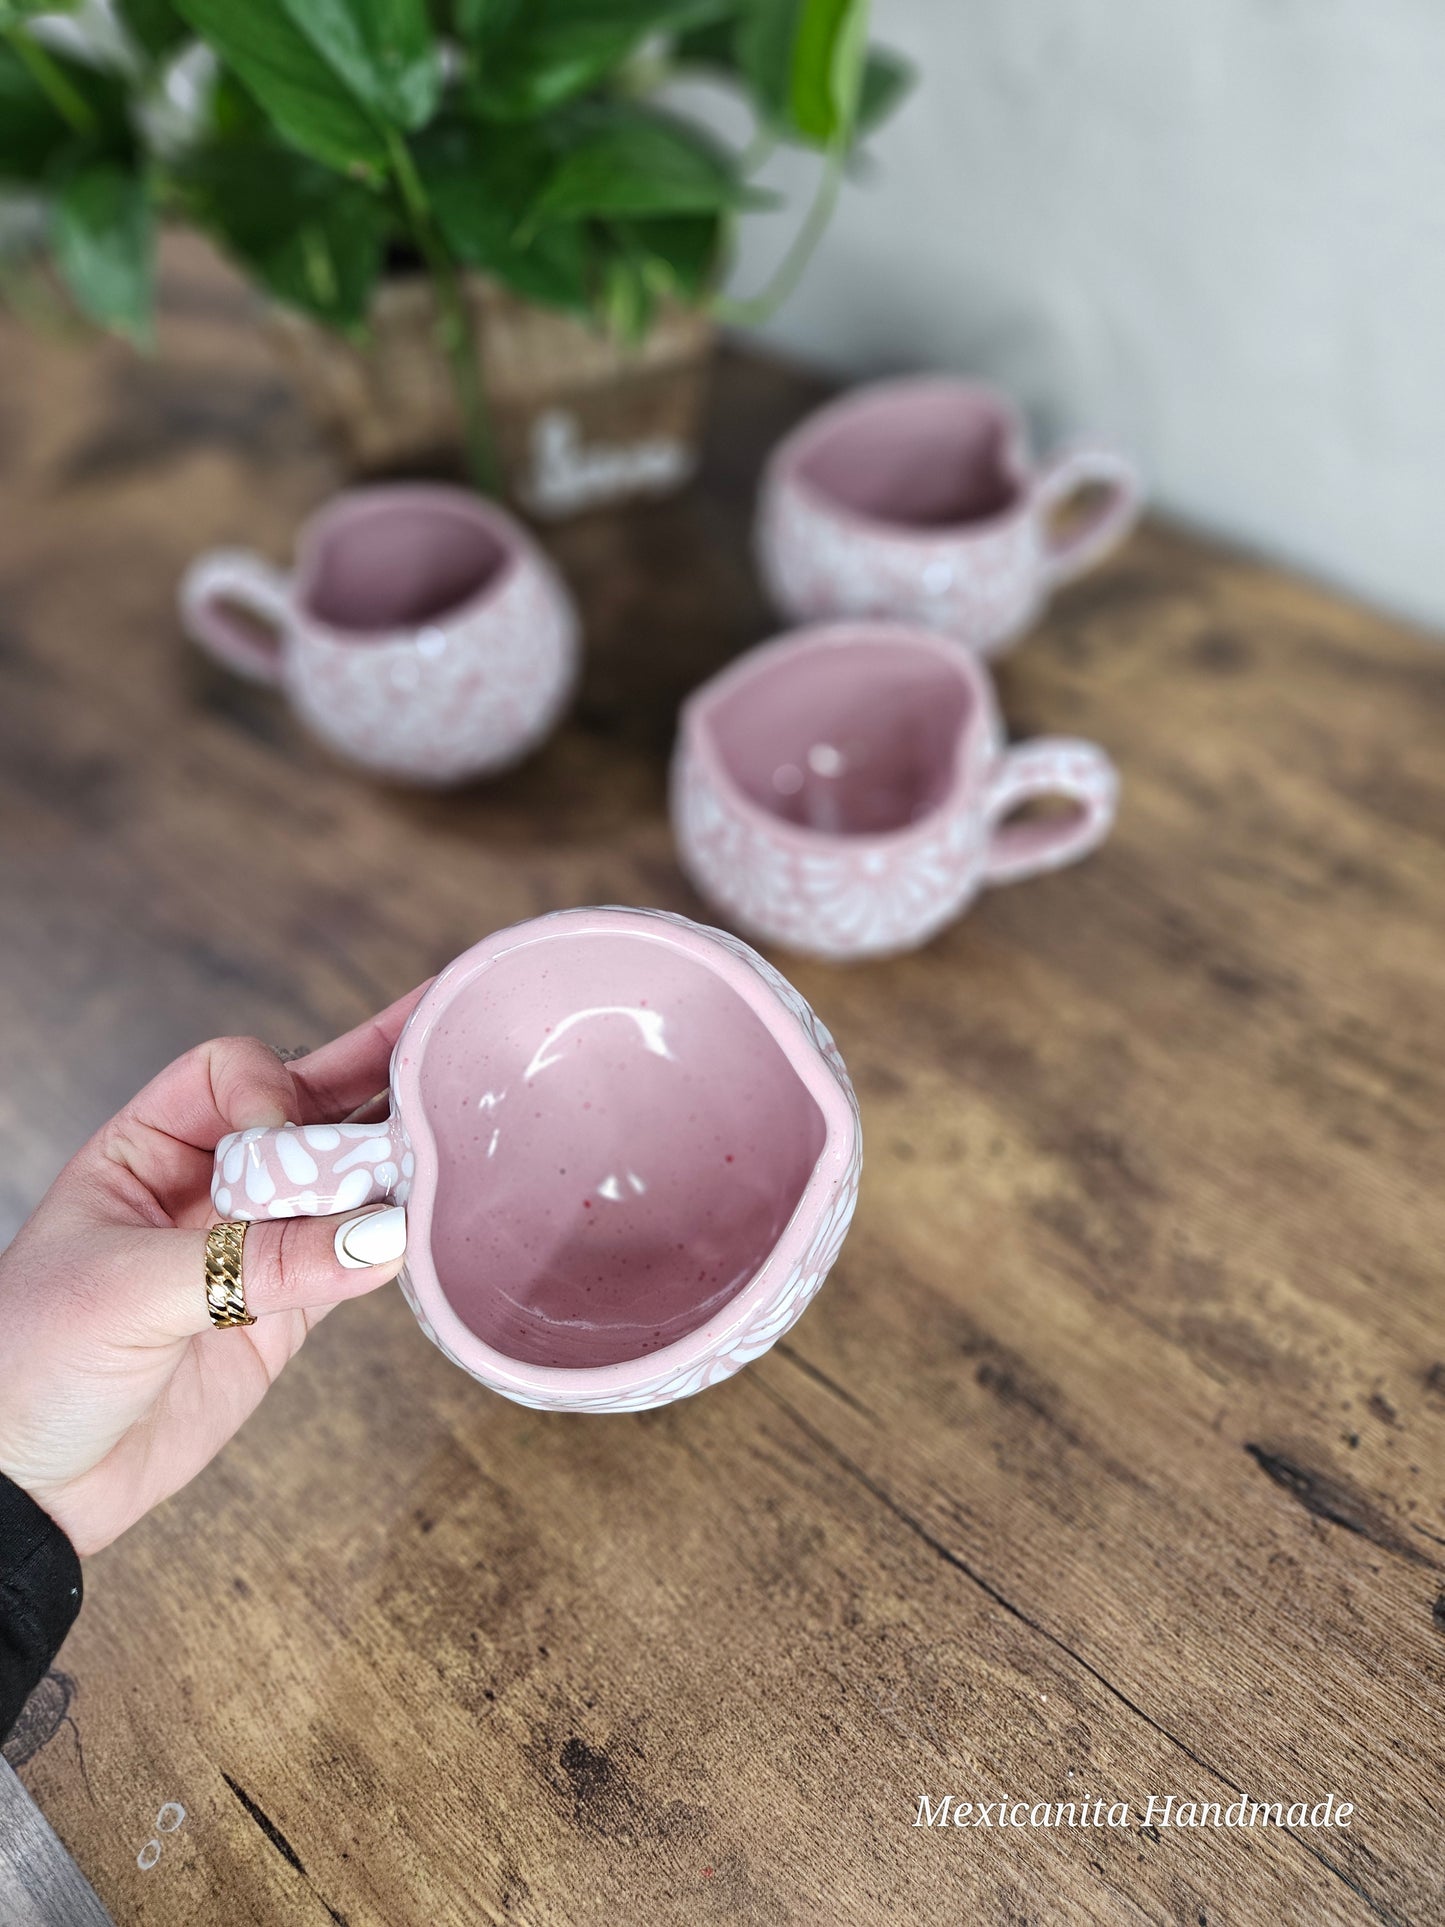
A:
[(115, 1386), (627, 1149)]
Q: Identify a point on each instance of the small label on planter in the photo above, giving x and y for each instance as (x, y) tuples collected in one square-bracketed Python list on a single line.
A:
[(568, 474)]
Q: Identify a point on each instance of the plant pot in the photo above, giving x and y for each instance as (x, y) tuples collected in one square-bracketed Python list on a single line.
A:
[(578, 418)]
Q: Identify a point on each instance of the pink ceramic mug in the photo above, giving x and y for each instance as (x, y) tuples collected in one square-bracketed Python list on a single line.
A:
[(845, 791), (423, 633), (628, 1152), (916, 499)]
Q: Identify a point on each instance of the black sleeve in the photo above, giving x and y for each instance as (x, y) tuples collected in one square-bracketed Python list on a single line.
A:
[(40, 1591)]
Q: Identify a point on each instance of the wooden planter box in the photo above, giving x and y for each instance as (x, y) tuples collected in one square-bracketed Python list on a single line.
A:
[(578, 418)]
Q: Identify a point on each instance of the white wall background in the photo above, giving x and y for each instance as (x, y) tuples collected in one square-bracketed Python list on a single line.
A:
[(1212, 228)]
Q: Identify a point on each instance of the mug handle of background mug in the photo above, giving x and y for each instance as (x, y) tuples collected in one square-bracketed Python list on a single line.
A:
[(1052, 766), (246, 583), (1072, 470), (304, 1170)]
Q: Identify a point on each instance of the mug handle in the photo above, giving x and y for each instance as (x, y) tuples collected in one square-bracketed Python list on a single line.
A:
[(1051, 766), (1086, 465), (304, 1170), (247, 583)]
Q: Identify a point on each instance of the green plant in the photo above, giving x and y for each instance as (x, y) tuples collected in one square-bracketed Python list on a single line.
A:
[(524, 138)]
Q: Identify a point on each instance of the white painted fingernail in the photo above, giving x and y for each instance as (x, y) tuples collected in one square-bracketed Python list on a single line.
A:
[(374, 1239)]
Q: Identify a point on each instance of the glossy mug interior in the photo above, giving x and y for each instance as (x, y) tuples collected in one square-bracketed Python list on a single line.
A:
[(846, 790), (423, 634), (916, 499), (628, 1151)]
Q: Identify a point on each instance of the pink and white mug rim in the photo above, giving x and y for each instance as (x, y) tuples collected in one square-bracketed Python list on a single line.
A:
[(323, 524), (785, 467), (980, 740)]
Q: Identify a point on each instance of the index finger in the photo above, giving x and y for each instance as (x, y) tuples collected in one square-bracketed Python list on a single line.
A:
[(343, 1074)]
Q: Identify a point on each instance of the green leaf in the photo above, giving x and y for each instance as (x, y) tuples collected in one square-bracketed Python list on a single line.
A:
[(766, 33), (714, 44), (382, 49), (53, 111), (481, 182), (154, 25), (805, 63), (678, 254), (312, 106), (827, 69), (12, 12), (103, 247), (628, 303), (550, 51), (887, 81), (483, 22), (635, 161), (312, 238), (31, 130), (235, 112)]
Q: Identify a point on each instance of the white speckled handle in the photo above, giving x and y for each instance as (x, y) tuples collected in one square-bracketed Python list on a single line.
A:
[(308, 1170), (1089, 540), (1050, 766), (229, 601)]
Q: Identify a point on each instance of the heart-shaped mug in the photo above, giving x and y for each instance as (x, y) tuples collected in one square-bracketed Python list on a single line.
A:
[(628, 1151), (847, 790), (916, 499)]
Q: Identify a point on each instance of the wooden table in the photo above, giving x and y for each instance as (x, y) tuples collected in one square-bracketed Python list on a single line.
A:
[(1112, 1460)]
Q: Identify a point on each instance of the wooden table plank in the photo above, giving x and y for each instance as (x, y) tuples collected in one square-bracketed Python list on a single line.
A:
[(1112, 1461)]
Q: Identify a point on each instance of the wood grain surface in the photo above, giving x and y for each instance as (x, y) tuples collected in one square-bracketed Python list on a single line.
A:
[(1110, 1463)]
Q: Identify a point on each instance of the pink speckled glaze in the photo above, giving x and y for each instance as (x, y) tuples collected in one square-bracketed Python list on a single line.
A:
[(423, 635), (916, 499), (628, 1150), (845, 790)]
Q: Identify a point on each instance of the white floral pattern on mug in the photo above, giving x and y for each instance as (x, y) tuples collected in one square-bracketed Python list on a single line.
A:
[(424, 635), (843, 894), (842, 529)]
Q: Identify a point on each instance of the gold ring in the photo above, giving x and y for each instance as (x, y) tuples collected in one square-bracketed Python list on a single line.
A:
[(225, 1293)]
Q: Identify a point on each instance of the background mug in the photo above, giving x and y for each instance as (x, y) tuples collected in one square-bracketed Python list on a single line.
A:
[(916, 499), (628, 1150), (845, 791), (423, 633)]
